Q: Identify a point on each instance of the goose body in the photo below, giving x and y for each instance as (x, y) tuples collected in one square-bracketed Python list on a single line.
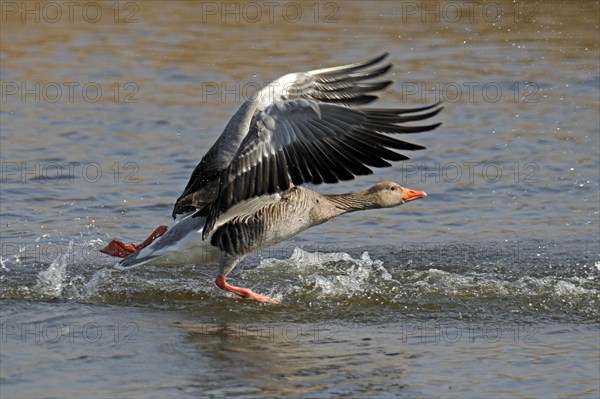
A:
[(245, 193)]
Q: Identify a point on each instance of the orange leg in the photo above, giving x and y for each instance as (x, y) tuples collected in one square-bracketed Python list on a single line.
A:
[(243, 292), (121, 250), (159, 231)]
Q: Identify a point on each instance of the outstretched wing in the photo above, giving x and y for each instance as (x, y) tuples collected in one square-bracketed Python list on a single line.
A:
[(297, 141), (342, 85)]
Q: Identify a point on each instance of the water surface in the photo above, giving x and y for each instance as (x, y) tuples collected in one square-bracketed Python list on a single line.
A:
[(486, 288)]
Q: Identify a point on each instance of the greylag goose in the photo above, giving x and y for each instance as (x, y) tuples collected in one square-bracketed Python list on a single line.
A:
[(245, 193)]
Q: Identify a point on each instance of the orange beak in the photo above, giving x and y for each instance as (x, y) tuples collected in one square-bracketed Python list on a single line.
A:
[(411, 195)]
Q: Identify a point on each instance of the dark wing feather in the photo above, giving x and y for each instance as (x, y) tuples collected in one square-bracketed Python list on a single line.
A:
[(303, 141), (343, 85)]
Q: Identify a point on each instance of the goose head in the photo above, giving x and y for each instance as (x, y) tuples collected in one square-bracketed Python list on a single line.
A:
[(389, 194)]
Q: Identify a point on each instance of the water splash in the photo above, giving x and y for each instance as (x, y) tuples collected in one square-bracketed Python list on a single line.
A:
[(80, 289), (3, 265), (12, 259), (316, 277), (50, 282), (332, 274), (55, 281), (307, 276), (93, 285)]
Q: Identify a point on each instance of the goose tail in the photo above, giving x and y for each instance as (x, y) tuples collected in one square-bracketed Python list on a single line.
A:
[(137, 259)]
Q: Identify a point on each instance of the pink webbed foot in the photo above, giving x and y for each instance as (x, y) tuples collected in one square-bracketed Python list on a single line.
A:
[(119, 249), (243, 292), (122, 250)]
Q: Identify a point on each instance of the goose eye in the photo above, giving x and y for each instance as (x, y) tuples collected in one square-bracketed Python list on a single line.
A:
[(393, 188)]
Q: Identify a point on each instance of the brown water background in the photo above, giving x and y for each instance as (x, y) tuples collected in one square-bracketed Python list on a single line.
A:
[(486, 288)]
